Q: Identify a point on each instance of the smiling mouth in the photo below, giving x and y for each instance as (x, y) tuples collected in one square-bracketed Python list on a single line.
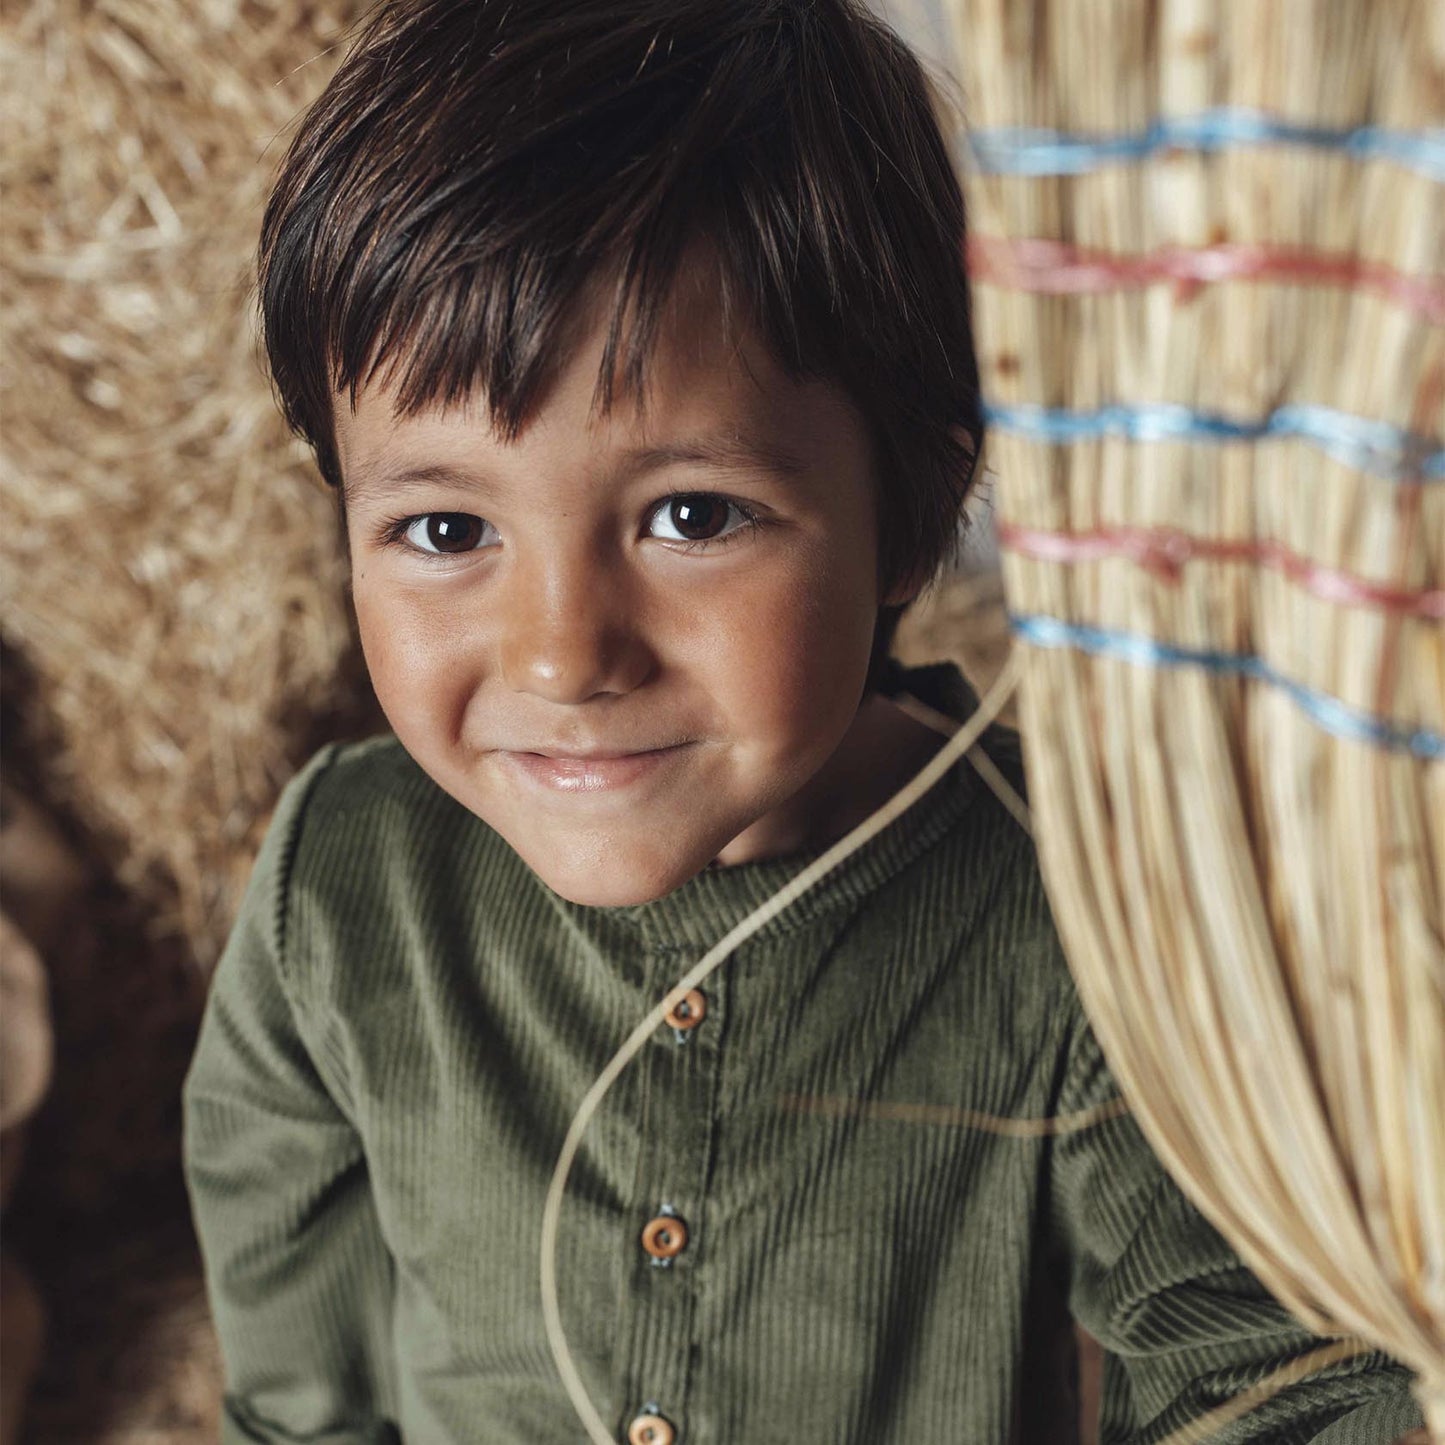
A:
[(591, 772)]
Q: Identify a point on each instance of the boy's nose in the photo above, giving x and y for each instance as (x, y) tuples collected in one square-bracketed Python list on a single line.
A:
[(570, 634)]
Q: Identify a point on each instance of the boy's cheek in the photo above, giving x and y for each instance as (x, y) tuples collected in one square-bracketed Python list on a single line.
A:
[(801, 660), (420, 663)]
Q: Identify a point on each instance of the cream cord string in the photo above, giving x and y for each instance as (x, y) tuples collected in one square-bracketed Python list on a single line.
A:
[(960, 742), (983, 765)]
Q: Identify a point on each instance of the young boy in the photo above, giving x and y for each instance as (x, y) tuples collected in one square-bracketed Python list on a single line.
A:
[(635, 338)]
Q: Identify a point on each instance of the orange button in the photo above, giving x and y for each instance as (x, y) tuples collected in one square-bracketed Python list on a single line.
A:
[(650, 1430), (664, 1238), (689, 1011)]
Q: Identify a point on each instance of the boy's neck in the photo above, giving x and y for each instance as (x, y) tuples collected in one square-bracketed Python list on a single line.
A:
[(882, 749)]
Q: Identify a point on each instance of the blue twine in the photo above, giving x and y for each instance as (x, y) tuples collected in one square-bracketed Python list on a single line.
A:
[(1328, 712), (1030, 151), (1371, 446)]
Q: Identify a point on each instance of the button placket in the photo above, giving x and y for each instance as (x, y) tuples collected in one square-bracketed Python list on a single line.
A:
[(679, 1086)]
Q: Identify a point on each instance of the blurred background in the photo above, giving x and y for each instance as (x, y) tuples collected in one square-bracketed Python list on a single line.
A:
[(176, 641)]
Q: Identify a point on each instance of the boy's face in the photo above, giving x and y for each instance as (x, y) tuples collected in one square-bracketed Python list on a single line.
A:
[(632, 646)]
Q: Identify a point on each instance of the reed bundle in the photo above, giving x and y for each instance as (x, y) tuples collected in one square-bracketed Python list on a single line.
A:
[(1206, 243)]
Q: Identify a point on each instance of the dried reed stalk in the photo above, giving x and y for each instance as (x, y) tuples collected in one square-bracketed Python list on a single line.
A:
[(1252, 906)]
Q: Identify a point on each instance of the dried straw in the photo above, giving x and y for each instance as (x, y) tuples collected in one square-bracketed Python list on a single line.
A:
[(1252, 905), (170, 572)]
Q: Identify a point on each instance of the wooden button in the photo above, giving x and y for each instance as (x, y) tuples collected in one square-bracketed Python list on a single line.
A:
[(664, 1237), (650, 1430), (689, 1011)]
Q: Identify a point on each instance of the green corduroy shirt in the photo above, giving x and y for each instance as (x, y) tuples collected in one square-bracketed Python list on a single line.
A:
[(406, 1018)]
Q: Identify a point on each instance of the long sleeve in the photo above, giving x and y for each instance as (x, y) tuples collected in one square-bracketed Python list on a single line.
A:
[(298, 1276), (1184, 1324)]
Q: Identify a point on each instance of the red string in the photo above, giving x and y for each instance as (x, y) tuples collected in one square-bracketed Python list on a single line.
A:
[(1164, 551), (1058, 268)]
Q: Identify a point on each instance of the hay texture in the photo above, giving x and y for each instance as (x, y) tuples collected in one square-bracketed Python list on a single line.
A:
[(169, 568), (1218, 635)]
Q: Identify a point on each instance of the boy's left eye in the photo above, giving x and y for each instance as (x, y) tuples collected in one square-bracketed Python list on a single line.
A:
[(697, 517), (448, 533)]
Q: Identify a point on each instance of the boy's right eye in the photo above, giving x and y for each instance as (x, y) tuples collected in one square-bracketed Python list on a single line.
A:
[(449, 533)]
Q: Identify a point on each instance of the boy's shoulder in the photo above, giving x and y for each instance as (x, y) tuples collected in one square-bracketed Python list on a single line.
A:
[(342, 779), (361, 829), (370, 789)]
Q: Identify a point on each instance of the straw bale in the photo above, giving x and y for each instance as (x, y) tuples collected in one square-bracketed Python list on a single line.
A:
[(169, 566)]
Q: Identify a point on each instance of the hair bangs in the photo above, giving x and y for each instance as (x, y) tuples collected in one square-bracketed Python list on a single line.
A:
[(482, 180)]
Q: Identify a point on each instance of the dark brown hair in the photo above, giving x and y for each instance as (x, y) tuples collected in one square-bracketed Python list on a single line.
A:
[(475, 165)]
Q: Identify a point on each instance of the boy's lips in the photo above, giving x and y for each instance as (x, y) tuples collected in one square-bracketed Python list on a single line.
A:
[(567, 771)]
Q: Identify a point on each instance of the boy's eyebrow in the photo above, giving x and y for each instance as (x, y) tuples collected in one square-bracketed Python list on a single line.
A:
[(724, 453), (375, 483)]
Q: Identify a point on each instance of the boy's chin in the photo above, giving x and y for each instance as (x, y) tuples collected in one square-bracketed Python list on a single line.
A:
[(589, 895), (617, 877), (622, 890)]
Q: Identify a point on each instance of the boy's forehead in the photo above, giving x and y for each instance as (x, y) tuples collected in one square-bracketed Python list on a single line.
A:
[(709, 380)]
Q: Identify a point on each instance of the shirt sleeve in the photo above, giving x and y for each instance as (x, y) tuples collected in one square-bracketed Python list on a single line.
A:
[(1184, 1324), (298, 1275)]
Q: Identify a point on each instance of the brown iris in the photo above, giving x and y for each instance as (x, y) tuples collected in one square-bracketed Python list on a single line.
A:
[(454, 531), (698, 516)]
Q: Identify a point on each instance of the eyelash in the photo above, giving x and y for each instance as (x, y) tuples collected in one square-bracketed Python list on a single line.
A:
[(392, 532)]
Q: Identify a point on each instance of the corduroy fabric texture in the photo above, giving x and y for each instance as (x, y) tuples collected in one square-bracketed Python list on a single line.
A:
[(405, 1019)]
